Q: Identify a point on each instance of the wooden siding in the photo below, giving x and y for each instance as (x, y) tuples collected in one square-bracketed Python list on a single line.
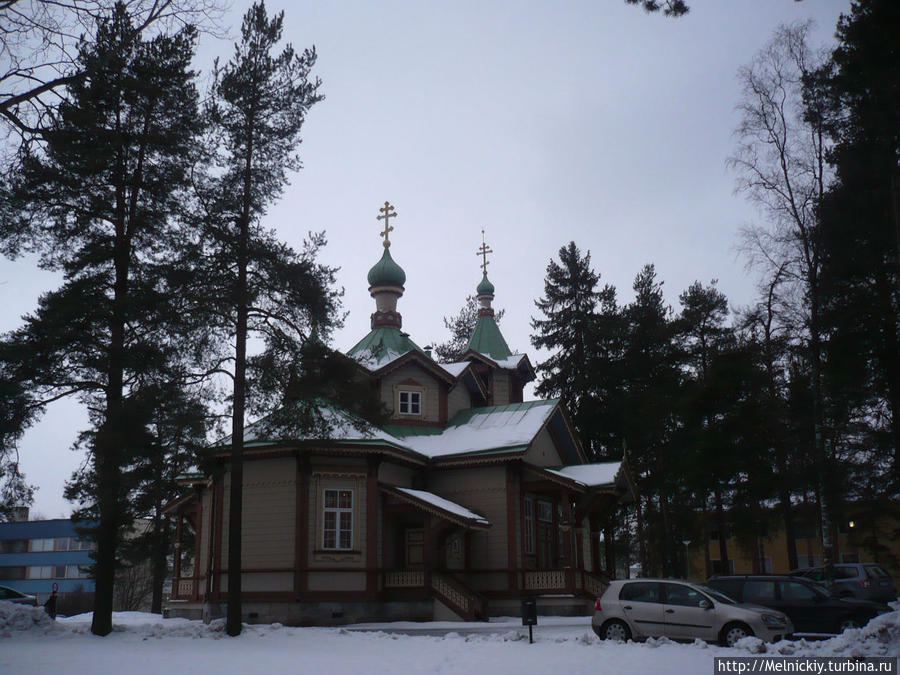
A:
[(431, 408), (202, 550), (337, 581), (459, 399), (392, 474), (543, 451), (501, 386), (482, 490), (267, 525)]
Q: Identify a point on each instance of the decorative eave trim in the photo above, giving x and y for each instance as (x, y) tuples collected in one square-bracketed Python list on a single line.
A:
[(421, 359), (496, 456), (287, 448), (174, 505), (434, 509), (579, 448), (543, 474)]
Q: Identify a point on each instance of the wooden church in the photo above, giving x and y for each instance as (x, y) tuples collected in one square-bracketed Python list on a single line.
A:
[(468, 500)]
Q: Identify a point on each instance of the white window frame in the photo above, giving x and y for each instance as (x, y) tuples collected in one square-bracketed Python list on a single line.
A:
[(339, 512), (41, 572), (413, 402), (529, 525), (43, 545)]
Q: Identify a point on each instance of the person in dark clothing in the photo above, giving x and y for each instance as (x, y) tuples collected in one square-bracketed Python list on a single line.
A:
[(50, 605)]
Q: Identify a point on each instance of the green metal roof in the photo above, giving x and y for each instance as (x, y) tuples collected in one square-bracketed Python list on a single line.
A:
[(381, 346), (485, 287), (487, 339), (386, 272)]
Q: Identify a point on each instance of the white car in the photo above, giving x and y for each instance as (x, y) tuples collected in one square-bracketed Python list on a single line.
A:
[(642, 608), (12, 595)]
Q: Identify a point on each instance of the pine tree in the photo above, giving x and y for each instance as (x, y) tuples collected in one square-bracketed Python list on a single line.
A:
[(861, 216), (96, 201), (257, 285)]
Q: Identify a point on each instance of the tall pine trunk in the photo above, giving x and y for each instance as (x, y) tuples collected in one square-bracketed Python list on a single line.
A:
[(111, 437), (235, 510)]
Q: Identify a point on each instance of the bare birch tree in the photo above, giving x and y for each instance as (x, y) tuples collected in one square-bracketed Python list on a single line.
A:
[(780, 161)]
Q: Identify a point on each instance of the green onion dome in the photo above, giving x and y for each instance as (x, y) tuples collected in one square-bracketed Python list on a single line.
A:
[(485, 287), (386, 272)]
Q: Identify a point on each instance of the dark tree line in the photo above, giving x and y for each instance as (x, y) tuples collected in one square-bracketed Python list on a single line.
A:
[(740, 425), (151, 208)]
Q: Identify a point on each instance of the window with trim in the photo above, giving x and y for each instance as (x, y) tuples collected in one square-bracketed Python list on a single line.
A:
[(529, 525), (545, 511), (410, 402), (337, 520), (47, 572), (40, 545)]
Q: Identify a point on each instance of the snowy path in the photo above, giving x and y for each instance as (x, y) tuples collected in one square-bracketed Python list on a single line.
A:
[(143, 643)]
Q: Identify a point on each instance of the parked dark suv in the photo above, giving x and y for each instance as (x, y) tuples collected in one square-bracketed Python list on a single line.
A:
[(808, 605), (866, 581)]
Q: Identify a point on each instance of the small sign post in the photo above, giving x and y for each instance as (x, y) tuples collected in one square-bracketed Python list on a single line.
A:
[(529, 616)]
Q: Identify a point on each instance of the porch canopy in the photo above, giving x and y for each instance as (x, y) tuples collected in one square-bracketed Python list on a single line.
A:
[(438, 506)]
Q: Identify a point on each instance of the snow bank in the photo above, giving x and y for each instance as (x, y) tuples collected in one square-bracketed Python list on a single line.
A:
[(880, 637), (20, 618)]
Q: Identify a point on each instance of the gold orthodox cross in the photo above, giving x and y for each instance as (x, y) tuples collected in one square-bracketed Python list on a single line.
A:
[(483, 251), (387, 212)]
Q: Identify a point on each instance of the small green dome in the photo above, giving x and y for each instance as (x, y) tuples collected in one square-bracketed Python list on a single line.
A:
[(485, 287), (386, 272)]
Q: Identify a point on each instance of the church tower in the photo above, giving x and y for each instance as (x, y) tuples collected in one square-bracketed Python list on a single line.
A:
[(386, 341)]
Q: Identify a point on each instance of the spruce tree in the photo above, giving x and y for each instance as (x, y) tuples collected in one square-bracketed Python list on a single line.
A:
[(570, 307), (96, 201), (651, 362)]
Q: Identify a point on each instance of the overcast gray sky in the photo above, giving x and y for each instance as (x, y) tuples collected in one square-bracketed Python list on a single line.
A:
[(540, 122)]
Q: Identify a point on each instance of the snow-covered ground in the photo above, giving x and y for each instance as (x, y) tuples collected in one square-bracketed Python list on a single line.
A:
[(145, 643)]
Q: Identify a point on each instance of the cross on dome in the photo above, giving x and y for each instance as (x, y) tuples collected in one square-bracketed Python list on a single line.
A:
[(387, 212), (483, 251)]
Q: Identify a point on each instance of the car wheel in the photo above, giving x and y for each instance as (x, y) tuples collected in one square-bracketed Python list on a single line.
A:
[(615, 630), (734, 632)]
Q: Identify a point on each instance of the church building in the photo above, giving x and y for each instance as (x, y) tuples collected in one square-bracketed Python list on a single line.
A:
[(468, 500)]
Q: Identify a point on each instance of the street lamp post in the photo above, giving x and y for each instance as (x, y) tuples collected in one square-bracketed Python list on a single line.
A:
[(687, 558)]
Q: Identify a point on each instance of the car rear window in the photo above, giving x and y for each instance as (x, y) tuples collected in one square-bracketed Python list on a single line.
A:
[(875, 572), (795, 590), (755, 591), (641, 591), (729, 587)]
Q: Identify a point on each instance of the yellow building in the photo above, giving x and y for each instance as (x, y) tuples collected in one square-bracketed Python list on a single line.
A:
[(862, 538)]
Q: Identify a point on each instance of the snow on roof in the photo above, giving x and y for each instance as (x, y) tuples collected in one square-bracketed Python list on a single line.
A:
[(456, 368), (510, 362), (341, 425), (443, 504), (373, 361), (592, 475), (480, 429)]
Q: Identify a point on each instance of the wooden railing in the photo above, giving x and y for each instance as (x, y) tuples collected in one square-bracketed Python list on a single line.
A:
[(545, 580), (462, 600), (183, 588), (593, 585), (404, 579)]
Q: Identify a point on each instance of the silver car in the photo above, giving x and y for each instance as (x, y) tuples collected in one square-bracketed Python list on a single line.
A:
[(642, 608)]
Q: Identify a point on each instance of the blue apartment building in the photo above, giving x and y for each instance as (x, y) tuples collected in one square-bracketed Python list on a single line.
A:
[(36, 554)]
